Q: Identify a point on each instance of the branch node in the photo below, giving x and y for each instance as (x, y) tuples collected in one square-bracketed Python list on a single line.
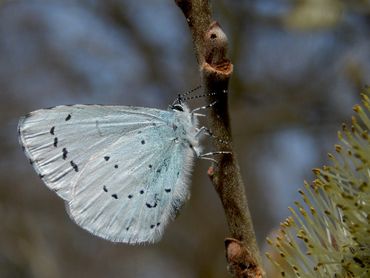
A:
[(240, 262), (216, 44), (211, 172), (218, 72)]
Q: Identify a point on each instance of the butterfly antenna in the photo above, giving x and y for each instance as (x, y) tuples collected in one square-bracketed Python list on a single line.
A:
[(180, 97), (203, 95), (192, 90)]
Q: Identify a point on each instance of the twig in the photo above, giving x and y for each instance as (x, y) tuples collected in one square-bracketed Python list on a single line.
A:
[(210, 45)]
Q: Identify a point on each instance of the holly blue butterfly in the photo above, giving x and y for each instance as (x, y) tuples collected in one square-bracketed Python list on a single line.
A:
[(123, 171)]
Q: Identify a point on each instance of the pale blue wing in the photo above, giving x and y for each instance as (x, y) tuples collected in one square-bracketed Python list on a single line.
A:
[(60, 141), (132, 196)]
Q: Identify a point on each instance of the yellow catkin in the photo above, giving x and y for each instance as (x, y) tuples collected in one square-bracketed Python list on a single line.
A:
[(334, 239)]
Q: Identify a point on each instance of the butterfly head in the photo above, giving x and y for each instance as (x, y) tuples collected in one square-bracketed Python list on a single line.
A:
[(185, 126)]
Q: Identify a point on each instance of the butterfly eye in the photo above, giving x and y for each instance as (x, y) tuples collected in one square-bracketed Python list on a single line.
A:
[(177, 107)]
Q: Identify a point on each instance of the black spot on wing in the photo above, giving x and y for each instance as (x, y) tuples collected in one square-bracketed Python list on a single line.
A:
[(115, 196), (68, 117), (167, 190), (142, 142), (116, 166), (359, 262), (156, 200), (52, 130), (141, 191), (65, 152), (74, 166), (106, 158), (55, 142), (105, 188), (150, 166), (151, 206), (158, 224), (130, 196), (152, 226)]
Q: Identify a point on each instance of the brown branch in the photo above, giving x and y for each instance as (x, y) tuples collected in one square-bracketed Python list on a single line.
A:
[(210, 45)]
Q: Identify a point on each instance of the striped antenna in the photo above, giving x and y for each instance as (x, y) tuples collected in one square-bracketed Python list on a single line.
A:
[(203, 95)]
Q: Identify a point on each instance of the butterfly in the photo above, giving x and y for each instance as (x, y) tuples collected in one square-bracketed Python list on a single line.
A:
[(122, 171)]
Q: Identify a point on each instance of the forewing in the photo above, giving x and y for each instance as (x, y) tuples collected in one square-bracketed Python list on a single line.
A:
[(60, 141), (132, 197)]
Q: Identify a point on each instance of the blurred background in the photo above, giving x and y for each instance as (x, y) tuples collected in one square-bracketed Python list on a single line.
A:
[(299, 69)]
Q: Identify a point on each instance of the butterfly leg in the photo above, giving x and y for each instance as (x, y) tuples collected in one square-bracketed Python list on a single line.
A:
[(208, 105), (209, 159), (199, 115), (205, 155), (214, 153), (204, 107), (202, 130), (207, 131)]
